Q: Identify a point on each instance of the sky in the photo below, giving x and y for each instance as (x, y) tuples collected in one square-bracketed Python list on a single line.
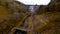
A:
[(35, 2)]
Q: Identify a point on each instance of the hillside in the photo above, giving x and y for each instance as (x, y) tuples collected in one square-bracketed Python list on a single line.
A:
[(13, 14)]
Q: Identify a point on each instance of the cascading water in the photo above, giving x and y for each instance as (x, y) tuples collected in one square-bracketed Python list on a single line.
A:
[(33, 9)]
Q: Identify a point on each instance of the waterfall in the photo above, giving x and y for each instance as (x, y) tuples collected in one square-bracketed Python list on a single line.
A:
[(33, 8)]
